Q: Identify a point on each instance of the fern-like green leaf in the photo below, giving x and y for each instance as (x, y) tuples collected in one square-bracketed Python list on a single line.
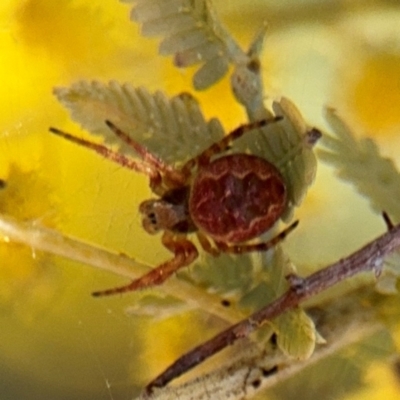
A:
[(192, 34), (174, 129), (358, 161)]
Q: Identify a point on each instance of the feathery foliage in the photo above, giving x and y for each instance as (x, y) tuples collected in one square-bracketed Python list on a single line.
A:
[(359, 162), (174, 129), (191, 33)]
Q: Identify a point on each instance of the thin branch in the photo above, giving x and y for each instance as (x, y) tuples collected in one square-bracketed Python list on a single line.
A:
[(368, 258), (53, 242), (251, 369)]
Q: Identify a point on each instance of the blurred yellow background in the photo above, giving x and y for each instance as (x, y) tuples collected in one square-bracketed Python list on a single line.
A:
[(56, 341)]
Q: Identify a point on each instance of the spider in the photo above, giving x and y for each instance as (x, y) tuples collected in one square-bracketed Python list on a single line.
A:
[(225, 201)]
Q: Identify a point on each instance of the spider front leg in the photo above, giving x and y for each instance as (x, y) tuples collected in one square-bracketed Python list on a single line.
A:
[(174, 176), (222, 145), (184, 254), (206, 245), (150, 164), (263, 246), (136, 165)]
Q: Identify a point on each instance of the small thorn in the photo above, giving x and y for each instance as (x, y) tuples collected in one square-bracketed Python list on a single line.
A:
[(388, 221)]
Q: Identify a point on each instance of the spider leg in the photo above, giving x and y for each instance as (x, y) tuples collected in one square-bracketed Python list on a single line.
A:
[(206, 245), (173, 174), (184, 254), (224, 143), (105, 152), (263, 246)]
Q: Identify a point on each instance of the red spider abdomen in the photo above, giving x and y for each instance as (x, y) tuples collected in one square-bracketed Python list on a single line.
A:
[(237, 197)]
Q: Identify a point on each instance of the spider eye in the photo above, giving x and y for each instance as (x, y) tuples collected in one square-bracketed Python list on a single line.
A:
[(152, 218), (150, 222)]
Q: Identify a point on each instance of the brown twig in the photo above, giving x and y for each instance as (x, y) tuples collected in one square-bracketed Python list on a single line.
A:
[(368, 258)]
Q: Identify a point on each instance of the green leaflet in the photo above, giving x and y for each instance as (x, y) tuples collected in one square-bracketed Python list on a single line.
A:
[(358, 162), (296, 334), (191, 33)]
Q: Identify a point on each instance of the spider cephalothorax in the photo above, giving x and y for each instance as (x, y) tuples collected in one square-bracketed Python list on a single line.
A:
[(226, 201), (170, 212)]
